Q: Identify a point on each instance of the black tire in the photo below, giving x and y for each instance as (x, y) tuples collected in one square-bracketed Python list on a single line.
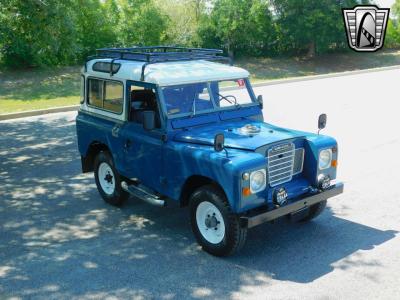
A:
[(314, 211), (118, 196), (234, 236)]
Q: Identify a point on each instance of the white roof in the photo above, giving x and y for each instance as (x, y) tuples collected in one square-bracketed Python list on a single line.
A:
[(173, 73)]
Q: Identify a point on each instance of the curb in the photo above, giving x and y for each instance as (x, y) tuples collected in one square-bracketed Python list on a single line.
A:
[(31, 113), (255, 85), (323, 76)]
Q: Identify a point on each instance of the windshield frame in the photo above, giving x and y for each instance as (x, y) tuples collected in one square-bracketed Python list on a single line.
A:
[(215, 108)]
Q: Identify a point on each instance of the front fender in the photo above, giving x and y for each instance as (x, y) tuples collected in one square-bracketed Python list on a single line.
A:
[(314, 144), (225, 168)]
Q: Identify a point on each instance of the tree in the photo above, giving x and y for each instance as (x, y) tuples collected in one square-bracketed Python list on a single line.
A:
[(239, 26), (183, 20), (141, 23), (393, 27), (95, 23), (310, 25), (37, 32)]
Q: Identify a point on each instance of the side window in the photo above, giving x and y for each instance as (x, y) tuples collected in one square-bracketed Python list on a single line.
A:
[(113, 96), (107, 95), (96, 92), (143, 99)]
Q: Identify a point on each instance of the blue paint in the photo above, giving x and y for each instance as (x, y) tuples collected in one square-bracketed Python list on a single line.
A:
[(164, 159)]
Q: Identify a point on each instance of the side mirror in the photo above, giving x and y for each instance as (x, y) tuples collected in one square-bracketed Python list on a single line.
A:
[(260, 101), (322, 122), (149, 120), (219, 141)]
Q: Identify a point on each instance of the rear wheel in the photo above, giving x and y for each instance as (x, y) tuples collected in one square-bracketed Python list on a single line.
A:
[(108, 180), (216, 228), (314, 211)]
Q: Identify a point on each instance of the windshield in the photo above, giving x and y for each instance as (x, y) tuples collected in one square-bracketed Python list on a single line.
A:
[(206, 96)]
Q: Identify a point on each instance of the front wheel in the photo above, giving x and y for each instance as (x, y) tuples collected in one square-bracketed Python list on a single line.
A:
[(108, 180), (216, 228)]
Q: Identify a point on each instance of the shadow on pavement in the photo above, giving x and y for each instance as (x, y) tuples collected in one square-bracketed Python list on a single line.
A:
[(59, 240)]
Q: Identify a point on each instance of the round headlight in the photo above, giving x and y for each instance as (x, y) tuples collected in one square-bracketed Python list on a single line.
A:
[(325, 159), (258, 181)]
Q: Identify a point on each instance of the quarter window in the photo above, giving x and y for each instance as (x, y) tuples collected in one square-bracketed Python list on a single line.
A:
[(107, 95)]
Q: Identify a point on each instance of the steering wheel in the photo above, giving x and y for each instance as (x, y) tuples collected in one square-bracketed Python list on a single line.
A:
[(233, 102)]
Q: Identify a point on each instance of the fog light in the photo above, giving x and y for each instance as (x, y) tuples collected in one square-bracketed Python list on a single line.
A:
[(280, 197), (324, 182)]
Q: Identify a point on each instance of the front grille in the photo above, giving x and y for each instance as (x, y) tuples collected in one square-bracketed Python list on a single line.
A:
[(298, 161), (280, 164)]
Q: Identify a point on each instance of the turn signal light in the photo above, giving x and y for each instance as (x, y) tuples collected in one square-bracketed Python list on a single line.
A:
[(334, 163), (246, 191)]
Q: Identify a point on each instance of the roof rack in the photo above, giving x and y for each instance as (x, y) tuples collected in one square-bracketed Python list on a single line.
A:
[(158, 54)]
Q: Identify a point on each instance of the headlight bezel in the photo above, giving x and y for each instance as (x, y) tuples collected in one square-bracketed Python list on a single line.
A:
[(264, 183), (328, 162)]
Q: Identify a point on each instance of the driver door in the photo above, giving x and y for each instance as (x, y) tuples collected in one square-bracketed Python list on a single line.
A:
[(142, 149)]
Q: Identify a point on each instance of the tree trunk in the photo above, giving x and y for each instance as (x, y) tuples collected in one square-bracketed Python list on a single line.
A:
[(311, 50), (230, 51)]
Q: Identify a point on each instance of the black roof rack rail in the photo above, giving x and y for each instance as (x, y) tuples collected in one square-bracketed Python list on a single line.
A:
[(158, 54)]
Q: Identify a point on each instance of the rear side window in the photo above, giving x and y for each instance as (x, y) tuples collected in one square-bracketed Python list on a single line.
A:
[(107, 95), (105, 67)]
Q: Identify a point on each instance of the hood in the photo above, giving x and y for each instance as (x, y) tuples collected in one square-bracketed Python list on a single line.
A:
[(246, 134)]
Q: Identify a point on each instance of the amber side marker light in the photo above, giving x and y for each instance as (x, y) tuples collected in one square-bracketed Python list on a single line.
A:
[(246, 191), (334, 163)]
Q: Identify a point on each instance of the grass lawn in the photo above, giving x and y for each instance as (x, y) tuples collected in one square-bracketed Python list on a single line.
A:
[(263, 69), (39, 89)]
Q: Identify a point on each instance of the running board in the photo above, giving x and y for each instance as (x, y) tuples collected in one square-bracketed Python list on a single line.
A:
[(142, 194)]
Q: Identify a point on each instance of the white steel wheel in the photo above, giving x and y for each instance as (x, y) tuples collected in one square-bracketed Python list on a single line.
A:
[(106, 178), (210, 222)]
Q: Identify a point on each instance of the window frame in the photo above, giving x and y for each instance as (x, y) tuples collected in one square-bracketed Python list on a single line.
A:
[(83, 89), (216, 109), (159, 99), (103, 95)]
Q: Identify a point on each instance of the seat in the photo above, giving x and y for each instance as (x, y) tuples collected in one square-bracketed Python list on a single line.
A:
[(144, 100)]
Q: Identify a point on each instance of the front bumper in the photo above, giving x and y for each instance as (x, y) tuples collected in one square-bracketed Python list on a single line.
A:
[(298, 205)]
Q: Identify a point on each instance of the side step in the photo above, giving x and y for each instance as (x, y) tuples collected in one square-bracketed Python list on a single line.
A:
[(142, 194)]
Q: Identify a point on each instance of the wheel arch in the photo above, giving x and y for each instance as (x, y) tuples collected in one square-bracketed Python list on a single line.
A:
[(88, 160), (194, 182)]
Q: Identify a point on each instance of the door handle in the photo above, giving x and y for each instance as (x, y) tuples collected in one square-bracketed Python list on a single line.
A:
[(115, 131)]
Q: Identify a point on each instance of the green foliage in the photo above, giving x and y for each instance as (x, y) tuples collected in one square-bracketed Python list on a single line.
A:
[(53, 32), (35, 32), (183, 20), (94, 23), (239, 26), (393, 28), (312, 26), (141, 23)]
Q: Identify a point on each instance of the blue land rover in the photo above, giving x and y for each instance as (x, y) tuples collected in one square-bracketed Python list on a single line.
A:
[(172, 125)]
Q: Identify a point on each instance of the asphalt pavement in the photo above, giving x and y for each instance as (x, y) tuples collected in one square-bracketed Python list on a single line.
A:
[(59, 240)]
